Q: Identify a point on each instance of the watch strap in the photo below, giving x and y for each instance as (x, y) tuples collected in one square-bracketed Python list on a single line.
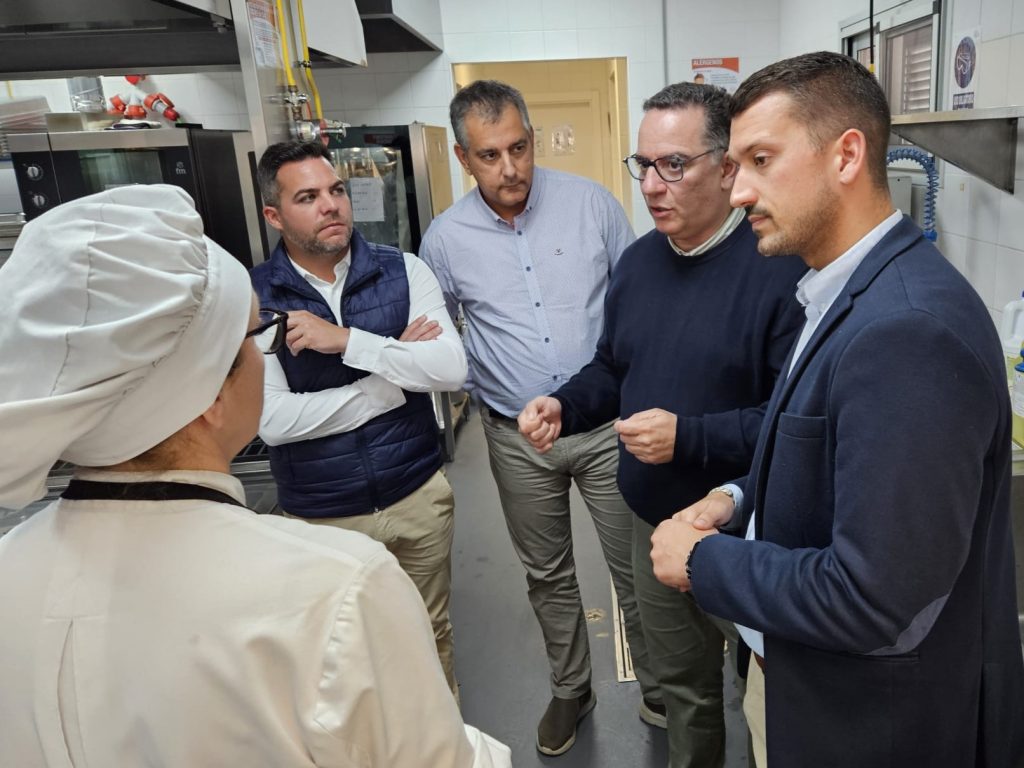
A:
[(689, 560)]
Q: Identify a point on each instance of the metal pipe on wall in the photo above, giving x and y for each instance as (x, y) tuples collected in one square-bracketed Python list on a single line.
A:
[(664, 42)]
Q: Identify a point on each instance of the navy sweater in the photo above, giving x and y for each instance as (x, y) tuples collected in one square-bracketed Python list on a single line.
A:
[(703, 337)]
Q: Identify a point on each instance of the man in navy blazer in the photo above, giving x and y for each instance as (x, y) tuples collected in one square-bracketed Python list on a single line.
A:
[(878, 562)]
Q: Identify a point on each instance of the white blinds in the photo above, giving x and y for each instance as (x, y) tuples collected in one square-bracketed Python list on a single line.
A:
[(909, 71)]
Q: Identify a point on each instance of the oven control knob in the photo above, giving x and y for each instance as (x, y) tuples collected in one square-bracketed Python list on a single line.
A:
[(34, 172), (38, 200)]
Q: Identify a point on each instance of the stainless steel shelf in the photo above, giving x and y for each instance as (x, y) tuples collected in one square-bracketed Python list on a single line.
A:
[(981, 141)]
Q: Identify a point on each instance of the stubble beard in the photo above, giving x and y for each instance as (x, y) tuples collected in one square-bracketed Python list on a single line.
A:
[(316, 247), (808, 229)]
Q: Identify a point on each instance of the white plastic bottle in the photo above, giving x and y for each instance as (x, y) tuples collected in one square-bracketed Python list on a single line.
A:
[(1011, 334), (1017, 403)]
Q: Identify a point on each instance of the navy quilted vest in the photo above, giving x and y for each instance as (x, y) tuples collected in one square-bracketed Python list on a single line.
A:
[(390, 456)]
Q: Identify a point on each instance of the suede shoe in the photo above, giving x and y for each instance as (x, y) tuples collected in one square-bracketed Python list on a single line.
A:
[(556, 732), (653, 713)]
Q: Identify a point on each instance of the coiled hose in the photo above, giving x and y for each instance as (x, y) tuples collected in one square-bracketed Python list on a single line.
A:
[(927, 162)]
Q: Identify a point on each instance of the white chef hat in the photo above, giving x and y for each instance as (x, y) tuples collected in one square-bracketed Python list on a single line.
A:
[(118, 326)]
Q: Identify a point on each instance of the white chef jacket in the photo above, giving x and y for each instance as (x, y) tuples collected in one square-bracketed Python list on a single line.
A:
[(185, 634), (438, 365)]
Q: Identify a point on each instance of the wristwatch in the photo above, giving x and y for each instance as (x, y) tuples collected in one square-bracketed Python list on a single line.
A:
[(689, 560), (723, 489)]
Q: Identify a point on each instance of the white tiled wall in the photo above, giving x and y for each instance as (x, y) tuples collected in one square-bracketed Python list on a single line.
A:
[(981, 228), (964, 15), (992, 77), (996, 18), (214, 99), (813, 25), (55, 92), (988, 220), (698, 30), (564, 29), (402, 87)]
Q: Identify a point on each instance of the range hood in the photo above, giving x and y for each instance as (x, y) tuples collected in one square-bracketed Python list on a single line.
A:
[(63, 38), (391, 26)]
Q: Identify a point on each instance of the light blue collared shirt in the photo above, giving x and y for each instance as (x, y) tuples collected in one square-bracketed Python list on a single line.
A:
[(817, 292), (532, 292)]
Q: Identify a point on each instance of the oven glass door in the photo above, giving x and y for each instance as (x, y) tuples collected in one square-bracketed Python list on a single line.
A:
[(81, 172), (103, 169), (52, 168)]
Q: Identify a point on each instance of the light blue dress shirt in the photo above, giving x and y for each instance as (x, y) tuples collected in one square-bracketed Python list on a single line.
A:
[(532, 292)]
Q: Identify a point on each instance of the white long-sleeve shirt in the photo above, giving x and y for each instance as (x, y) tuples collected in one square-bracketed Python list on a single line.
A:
[(197, 633), (438, 365)]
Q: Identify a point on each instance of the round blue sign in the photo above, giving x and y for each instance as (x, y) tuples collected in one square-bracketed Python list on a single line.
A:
[(966, 60)]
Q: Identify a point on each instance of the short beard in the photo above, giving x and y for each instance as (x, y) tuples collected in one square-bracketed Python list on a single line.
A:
[(316, 247), (806, 231)]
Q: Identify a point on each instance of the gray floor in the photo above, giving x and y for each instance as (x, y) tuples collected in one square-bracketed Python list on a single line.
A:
[(499, 655)]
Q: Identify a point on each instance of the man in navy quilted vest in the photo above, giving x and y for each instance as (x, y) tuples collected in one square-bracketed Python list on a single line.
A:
[(348, 415)]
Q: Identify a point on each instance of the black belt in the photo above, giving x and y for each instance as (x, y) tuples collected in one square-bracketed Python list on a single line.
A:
[(78, 490), (499, 415)]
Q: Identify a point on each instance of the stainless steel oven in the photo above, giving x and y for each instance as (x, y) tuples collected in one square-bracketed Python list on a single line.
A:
[(217, 168)]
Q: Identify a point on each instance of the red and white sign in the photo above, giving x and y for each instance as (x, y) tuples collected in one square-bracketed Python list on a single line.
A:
[(724, 72)]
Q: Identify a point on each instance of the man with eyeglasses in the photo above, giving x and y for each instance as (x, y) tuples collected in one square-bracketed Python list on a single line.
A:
[(875, 579), (697, 326), (528, 255), (347, 414)]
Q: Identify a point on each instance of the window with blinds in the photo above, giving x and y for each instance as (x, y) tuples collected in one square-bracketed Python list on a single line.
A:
[(905, 38), (864, 56), (907, 67)]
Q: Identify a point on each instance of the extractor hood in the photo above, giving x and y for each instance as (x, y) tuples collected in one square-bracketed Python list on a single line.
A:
[(61, 38), (111, 37), (400, 25)]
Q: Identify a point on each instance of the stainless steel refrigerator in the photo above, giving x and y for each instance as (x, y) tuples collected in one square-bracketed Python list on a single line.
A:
[(398, 177)]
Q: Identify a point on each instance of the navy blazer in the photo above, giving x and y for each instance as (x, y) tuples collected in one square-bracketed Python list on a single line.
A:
[(884, 581)]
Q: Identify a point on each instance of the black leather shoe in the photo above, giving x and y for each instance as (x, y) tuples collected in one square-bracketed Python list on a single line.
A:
[(557, 729)]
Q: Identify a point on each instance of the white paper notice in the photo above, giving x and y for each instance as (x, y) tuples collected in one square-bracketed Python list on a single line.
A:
[(266, 44), (367, 198)]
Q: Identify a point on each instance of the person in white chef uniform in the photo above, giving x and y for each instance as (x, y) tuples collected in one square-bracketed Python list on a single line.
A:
[(147, 617)]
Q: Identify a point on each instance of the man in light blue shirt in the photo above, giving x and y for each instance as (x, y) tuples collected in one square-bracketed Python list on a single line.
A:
[(528, 255)]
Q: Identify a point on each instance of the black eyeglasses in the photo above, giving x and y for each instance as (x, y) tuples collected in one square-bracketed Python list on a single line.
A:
[(670, 167), (270, 333)]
